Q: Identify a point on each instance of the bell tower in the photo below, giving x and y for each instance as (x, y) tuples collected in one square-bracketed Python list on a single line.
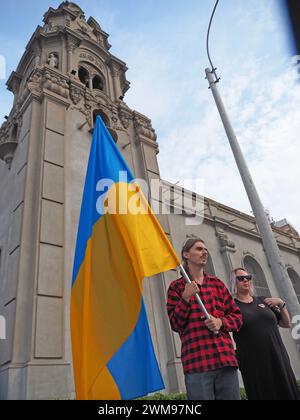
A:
[(66, 77)]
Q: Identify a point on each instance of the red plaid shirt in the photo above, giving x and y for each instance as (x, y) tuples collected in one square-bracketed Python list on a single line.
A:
[(201, 349)]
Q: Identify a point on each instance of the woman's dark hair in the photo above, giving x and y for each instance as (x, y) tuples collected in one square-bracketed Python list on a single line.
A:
[(189, 243)]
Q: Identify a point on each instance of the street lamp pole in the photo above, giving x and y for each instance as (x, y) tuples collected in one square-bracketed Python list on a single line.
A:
[(279, 272)]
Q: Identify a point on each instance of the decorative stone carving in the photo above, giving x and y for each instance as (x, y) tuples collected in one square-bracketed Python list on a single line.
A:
[(48, 27), (144, 128), (7, 150), (115, 122), (100, 36), (9, 139), (49, 79), (124, 114), (37, 55), (56, 84), (115, 71), (125, 119), (100, 98), (4, 132), (34, 82), (227, 247), (84, 56), (114, 115), (101, 41), (16, 117), (76, 94), (88, 117), (72, 6), (14, 83), (53, 60), (88, 100), (84, 27), (225, 242)]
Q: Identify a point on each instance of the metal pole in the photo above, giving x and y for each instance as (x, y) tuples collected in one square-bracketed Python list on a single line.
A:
[(280, 275), (188, 280)]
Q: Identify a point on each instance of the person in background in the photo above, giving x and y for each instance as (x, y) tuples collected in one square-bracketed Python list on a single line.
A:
[(207, 354), (262, 357)]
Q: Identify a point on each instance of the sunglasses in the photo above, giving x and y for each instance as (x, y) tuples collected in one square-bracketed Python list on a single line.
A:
[(242, 278)]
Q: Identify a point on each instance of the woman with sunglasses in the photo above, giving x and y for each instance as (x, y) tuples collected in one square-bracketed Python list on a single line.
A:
[(262, 357)]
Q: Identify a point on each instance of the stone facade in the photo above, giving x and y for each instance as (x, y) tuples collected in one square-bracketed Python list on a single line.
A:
[(65, 78)]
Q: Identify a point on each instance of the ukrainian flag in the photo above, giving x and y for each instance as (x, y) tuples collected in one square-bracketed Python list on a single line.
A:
[(119, 242)]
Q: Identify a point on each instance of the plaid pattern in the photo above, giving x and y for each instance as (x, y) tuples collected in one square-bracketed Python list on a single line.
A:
[(202, 350)]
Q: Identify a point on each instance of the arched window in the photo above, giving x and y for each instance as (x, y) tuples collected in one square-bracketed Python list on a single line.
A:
[(259, 280), (97, 83), (83, 75), (105, 119), (295, 279)]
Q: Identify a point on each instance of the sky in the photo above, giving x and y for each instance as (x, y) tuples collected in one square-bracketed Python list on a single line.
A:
[(163, 45)]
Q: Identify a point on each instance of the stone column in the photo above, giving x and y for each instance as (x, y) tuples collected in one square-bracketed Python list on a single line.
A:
[(70, 56), (116, 81), (72, 44), (90, 83), (37, 55), (227, 247)]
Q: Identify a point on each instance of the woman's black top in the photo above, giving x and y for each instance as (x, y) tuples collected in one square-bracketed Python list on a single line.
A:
[(262, 357)]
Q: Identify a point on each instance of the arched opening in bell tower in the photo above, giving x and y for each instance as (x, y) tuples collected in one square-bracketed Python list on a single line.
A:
[(97, 83), (83, 75)]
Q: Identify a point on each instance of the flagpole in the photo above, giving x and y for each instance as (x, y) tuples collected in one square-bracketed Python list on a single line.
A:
[(281, 278), (188, 280)]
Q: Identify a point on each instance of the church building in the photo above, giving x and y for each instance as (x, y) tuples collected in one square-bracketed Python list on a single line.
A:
[(65, 78)]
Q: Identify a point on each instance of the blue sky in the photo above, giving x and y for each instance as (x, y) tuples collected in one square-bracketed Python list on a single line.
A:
[(163, 44)]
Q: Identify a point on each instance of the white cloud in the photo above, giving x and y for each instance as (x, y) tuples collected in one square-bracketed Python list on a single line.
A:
[(261, 14)]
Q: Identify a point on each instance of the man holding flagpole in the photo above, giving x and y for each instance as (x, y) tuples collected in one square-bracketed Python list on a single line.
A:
[(208, 355)]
